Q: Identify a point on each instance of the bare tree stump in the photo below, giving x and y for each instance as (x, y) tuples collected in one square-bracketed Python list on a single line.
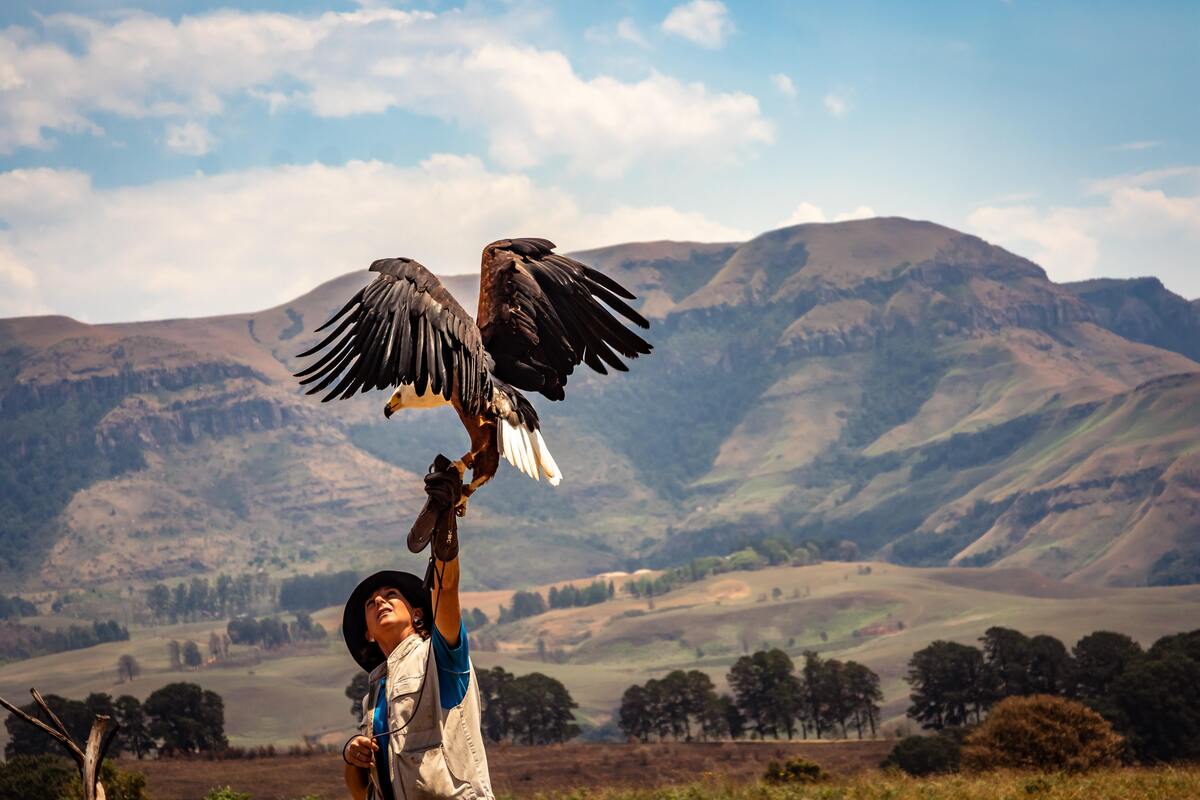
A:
[(91, 757)]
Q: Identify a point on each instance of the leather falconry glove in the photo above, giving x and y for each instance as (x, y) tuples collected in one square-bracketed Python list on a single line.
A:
[(437, 520)]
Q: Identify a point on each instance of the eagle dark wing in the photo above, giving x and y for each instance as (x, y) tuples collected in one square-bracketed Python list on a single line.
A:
[(403, 327), (540, 315)]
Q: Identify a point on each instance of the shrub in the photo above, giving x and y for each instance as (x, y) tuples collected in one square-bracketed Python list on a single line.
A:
[(118, 785), (225, 793), (1044, 733), (925, 755), (796, 770), (50, 777)]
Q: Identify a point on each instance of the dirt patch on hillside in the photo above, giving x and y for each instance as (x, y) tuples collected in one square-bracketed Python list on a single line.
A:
[(519, 771)]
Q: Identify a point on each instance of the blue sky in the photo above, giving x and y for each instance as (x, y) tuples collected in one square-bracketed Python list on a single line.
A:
[(196, 158)]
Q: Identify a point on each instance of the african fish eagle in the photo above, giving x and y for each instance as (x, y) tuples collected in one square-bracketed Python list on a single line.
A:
[(539, 317)]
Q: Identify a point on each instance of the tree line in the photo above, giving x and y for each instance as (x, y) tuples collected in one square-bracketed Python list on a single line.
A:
[(1149, 696), (770, 699), (28, 641), (272, 632), (310, 592), (571, 596), (179, 718), (199, 598)]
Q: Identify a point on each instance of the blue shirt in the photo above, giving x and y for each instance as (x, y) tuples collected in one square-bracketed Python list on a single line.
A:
[(453, 667)]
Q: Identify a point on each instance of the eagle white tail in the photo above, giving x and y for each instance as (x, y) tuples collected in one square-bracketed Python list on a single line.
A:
[(526, 450)]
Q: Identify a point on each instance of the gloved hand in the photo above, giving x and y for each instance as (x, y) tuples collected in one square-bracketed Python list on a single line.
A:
[(437, 520)]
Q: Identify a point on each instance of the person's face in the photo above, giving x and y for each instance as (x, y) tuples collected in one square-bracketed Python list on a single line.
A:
[(389, 616)]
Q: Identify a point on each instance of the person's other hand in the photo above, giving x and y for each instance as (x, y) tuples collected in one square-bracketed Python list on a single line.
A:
[(360, 752)]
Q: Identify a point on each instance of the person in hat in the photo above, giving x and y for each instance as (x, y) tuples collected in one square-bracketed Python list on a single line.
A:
[(420, 734)]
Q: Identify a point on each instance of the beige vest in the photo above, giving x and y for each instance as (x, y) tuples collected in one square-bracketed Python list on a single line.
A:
[(432, 752)]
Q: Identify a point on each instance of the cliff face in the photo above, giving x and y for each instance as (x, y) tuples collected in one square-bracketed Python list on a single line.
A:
[(1143, 310), (930, 396)]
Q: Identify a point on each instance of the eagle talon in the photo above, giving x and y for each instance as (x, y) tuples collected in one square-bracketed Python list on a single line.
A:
[(460, 508)]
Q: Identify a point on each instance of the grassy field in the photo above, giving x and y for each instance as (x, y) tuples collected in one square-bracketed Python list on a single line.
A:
[(877, 614), (1161, 783), (695, 771), (518, 771)]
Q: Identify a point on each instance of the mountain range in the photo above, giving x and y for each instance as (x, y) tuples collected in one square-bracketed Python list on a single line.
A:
[(928, 396)]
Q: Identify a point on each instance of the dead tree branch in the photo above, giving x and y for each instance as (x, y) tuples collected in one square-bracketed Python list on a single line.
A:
[(88, 759)]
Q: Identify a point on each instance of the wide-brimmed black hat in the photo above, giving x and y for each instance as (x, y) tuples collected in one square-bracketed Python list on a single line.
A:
[(354, 618)]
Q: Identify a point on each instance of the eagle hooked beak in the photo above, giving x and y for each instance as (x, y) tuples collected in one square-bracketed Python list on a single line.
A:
[(392, 406)]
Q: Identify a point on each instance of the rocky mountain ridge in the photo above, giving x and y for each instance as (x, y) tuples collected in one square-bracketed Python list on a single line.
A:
[(930, 396)]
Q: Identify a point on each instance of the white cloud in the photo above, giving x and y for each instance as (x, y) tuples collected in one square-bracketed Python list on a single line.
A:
[(702, 22), (530, 103), (862, 212), (1146, 144), (784, 84), (1136, 228), (266, 235), (189, 139), (808, 212), (837, 103), (805, 212)]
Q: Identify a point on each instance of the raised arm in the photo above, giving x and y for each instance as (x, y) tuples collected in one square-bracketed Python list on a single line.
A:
[(448, 615)]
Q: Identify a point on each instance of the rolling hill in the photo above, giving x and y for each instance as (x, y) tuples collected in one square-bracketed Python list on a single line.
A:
[(875, 613), (933, 398)]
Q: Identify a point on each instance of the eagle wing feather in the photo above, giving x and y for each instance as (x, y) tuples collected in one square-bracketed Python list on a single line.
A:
[(403, 327), (541, 314)]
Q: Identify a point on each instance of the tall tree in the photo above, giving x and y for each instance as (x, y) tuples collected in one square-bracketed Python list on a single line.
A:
[(495, 689), (862, 685), (949, 685), (541, 710), (633, 717), (191, 654), (174, 655), (186, 718), (158, 599), (1051, 669), (810, 694), (748, 683), (133, 735), (1007, 654), (127, 668), (1157, 700), (1100, 658)]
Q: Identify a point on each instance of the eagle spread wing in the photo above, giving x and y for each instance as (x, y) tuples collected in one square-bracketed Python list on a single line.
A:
[(403, 327), (540, 316)]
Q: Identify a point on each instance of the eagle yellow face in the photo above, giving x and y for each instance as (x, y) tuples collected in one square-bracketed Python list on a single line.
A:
[(406, 397)]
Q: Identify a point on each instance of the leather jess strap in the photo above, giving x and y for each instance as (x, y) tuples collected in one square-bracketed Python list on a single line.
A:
[(437, 521)]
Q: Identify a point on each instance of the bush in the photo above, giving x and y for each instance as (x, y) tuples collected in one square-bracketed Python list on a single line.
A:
[(51, 777), (925, 755), (796, 770), (225, 793), (118, 785), (36, 777), (1042, 732)]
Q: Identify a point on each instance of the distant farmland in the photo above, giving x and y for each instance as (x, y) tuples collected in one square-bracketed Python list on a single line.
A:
[(875, 613)]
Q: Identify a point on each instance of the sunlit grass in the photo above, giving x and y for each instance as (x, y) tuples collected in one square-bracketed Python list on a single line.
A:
[(1159, 783)]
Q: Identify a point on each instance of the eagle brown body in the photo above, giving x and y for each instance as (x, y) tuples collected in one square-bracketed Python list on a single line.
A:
[(539, 316)]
